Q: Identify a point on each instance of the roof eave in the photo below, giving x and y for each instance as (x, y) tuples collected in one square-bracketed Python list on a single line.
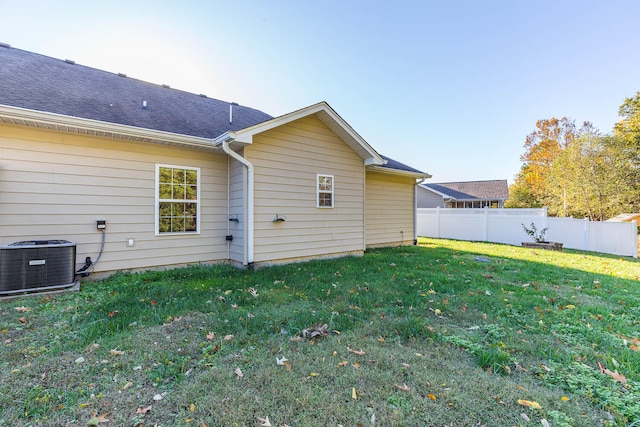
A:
[(324, 113), (417, 175), (82, 126)]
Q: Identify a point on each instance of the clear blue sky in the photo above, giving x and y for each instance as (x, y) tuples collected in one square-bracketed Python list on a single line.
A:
[(449, 87)]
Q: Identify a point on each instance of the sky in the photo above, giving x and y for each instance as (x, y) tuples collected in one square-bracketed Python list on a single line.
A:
[(449, 87)]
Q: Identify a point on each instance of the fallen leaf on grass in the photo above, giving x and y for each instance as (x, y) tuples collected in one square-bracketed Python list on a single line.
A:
[(282, 361), (529, 404), (253, 292), (22, 320), (544, 423), (615, 375), (403, 387), (192, 407), (116, 352), (97, 420), (264, 422), (354, 396), (142, 410), (227, 338), (22, 309), (239, 373), (431, 396), (315, 331), (358, 352), (525, 417), (210, 336)]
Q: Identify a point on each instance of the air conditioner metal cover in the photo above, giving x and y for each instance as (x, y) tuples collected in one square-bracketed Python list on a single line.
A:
[(37, 265)]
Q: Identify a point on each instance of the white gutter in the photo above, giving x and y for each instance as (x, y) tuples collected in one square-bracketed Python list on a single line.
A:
[(82, 126), (249, 220)]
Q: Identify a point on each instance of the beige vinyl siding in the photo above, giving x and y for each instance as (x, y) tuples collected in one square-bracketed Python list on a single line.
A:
[(286, 161), (55, 186), (237, 209), (390, 209)]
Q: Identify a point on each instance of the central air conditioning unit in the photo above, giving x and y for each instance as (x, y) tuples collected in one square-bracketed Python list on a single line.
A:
[(37, 265)]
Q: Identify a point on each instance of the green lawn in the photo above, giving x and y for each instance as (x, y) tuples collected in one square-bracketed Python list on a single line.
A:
[(447, 333)]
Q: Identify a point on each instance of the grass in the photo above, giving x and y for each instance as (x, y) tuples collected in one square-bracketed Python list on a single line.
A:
[(447, 333)]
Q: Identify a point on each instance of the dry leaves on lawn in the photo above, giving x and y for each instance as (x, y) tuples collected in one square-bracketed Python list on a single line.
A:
[(97, 419), (529, 404), (615, 375), (315, 331), (403, 387)]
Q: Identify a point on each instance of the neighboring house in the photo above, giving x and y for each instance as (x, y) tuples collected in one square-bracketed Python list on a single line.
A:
[(468, 194), (181, 178)]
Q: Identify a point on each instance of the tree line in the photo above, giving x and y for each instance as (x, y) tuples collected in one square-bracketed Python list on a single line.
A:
[(577, 171)]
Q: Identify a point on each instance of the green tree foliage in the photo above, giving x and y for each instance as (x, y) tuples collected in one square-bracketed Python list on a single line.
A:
[(579, 172), (542, 147), (580, 181)]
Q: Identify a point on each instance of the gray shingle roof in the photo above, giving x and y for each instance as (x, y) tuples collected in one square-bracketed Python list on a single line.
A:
[(37, 82), (473, 190), (393, 164)]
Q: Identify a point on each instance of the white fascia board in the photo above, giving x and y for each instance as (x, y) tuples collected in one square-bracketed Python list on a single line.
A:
[(329, 117), (53, 121)]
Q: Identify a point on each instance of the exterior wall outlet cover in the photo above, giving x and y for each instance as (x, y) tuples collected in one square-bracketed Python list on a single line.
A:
[(131, 242)]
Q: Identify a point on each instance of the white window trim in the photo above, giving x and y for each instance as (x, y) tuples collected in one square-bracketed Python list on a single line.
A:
[(157, 200), (333, 186)]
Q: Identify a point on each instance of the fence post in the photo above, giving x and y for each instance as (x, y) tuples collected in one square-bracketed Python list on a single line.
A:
[(635, 240), (486, 224), (438, 222), (585, 244)]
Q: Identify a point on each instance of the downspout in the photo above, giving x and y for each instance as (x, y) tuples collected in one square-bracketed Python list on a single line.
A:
[(249, 220), (415, 210)]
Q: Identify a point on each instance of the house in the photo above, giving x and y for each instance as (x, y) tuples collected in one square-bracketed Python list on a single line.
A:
[(466, 194), (179, 178)]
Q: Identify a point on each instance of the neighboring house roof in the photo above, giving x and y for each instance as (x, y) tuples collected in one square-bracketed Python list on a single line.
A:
[(471, 190), (625, 217), (62, 95)]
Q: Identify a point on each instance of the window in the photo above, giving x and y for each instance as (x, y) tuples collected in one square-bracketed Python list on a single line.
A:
[(178, 199), (325, 191)]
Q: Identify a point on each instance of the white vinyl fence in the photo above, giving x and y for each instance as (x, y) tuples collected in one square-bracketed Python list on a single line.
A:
[(505, 226)]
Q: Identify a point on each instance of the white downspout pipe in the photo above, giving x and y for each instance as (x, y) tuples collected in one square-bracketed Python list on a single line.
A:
[(249, 220)]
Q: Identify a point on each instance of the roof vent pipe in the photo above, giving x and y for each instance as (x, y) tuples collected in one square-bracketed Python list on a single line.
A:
[(231, 112)]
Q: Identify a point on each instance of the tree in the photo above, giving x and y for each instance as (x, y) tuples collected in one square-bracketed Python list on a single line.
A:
[(580, 180), (542, 147)]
